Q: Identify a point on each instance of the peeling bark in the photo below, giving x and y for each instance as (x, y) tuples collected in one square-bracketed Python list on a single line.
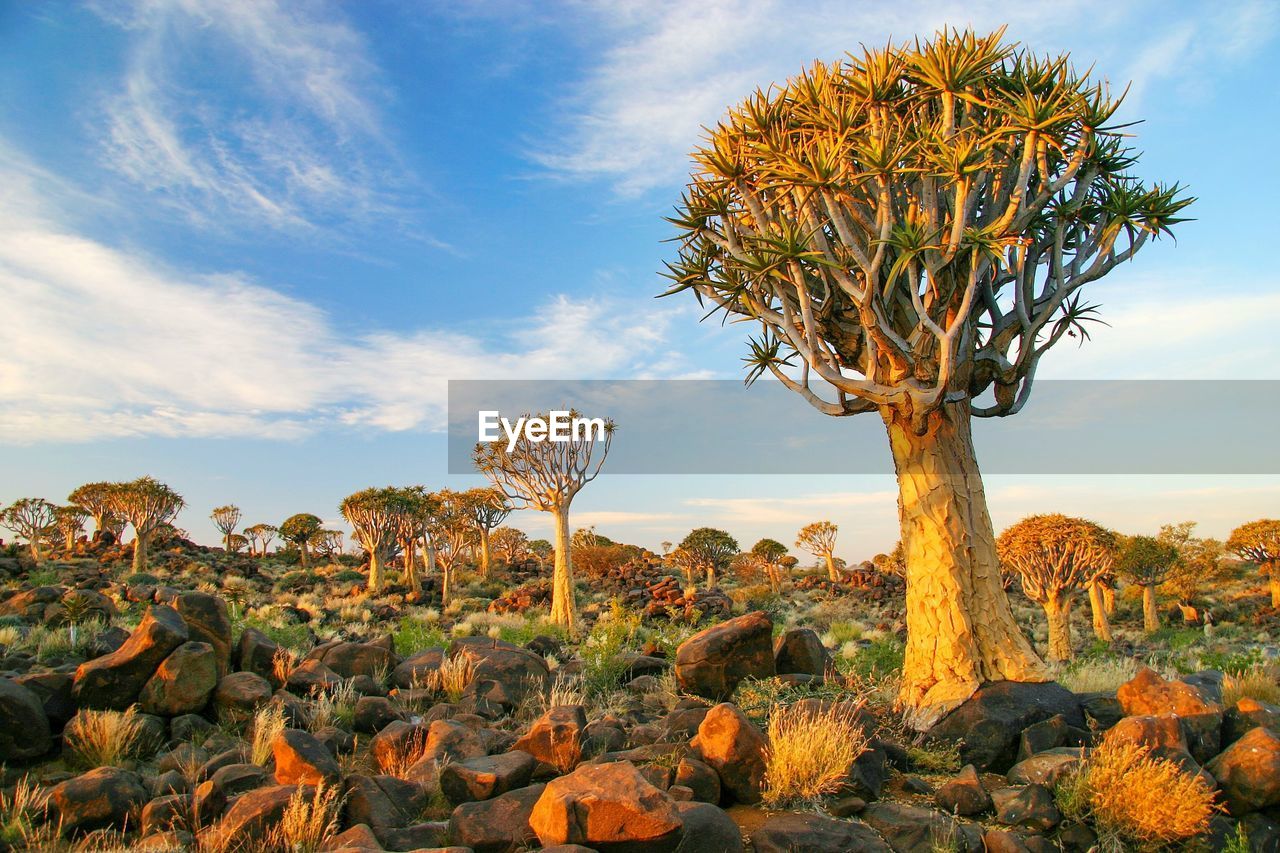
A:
[(960, 629), (377, 571), (1150, 614), (1058, 611), (1098, 609)]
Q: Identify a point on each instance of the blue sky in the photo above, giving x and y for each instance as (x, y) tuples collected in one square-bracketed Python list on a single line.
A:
[(244, 245)]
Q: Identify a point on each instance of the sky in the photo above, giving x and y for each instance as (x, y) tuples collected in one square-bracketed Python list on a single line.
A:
[(245, 245)]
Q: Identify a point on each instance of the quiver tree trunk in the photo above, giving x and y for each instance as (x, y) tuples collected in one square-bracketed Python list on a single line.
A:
[(563, 610), (1272, 568), (1150, 613), (485, 554), (446, 581), (711, 575), (1109, 598), (1057, 609), (960, 629), (303, 557), (377, 569), (1098, 609), (832, 572), (140, 542)]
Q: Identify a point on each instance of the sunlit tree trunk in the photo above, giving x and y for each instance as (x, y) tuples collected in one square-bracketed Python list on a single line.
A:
[(37, 554), (140, 542), (1109, 598), (1150, 614), (1058, 611), (563, 611), (832, 572), (377, 569), (960, 629), (1272, 568), (484, 552), (446, 581), (303, 556), (1098, 609)]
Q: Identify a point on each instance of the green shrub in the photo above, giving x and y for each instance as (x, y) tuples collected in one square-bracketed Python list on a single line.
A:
[(877, 659), (296, 581), (413, 634), (348, 576), (141, 579), (612, 635)]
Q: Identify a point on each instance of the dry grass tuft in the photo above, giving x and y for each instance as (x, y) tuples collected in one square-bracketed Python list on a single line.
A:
[(810, 750), (333, 706), (1255, 683), (308, 821), (283, 663), (22, 811), (398, 763), (1098, 675), (268, 722), (104, 738), (451, 678), (1137, 799)]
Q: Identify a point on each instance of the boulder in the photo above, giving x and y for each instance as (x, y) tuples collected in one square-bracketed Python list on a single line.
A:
[(311, 677), (358, 838), (712, 662), (183, 682), (1248, 772), (351, 659), (500, 825), (908, 829), (165, 813), (1149, 694), (963, 795), (239, 694), (208, 622), (256, 653), (799, 650), (486, 777), (301, 759), (1028, 807), (414, 670), (1045, 768), (734, 747), (1245, 715), (707, 829), (608, 807), (232, 780), (384, 803), (1049, 734), (515, 671), (374, 713), (102, 798), (990, 723), (114, 681), (555, 738), (397, 742), (813, 833), (250, 819), (24, 728), (53, 689), (699, 778)]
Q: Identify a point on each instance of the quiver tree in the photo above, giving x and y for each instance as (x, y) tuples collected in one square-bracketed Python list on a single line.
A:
[(1056, 557), (69, 521), (259, 536), (1147, 562), (1259, 542), (710, 550), (1199, 560), (93, 497), (489, 508), (30, 518), (226, 518), (298, 530), (771, 553), (374, 515), (511, 544), (328, 543), (546, 476), (911, 228), (411, 530), (819, 539), (150, 506), (452, 530), (236, 541)]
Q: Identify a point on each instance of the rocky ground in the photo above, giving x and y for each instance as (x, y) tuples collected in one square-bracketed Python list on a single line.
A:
[(222, 703)]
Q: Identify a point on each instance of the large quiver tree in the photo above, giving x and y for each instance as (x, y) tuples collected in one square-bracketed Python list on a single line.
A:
[(299, 529), (911, 229), (149, 506), (32, 519), (375, 516), (489, 508), (1056, 557), (1259, 542)]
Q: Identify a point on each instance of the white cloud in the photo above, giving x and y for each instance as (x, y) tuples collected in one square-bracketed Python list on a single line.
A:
[(262, 113), (670, 68)]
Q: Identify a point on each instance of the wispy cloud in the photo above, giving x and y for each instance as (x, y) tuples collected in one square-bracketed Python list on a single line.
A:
[(671, 68), (249, 114)]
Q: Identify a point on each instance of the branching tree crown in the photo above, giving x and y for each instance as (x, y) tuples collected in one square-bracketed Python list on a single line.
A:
[(260, 536), (298, 529), (374, 515), (94, 497), (1259, 542), (149, 506), (226, 518), (31, 519), (69, 520)]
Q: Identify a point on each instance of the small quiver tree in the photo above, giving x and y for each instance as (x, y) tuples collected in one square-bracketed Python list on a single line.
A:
[(149, 506), (69, 521), (1199, 561), (259, 536), (374, 516), (298, 530), (547, 476), (94, 498), (819, 539), (711, 550), (510, 544), (1056, 557), (771, 553), (1259, 542), (452, 530), (226, 518), (1147, 562), (30, 518), (489, 508)]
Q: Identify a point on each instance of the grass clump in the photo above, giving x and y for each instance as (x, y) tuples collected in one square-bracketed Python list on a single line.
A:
[(21, 811), (1098, 674), (935, 756), (1255, 683), (810, 749), (1135, 799), (268, 722), (452, 678), (308, 821), (104, 738), (414, 633)]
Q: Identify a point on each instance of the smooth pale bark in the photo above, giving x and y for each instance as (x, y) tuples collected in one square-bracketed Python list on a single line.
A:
[(37, 555), (1057, 608), (1109, 598), (303, 556), (446, 581), (1098, 609), (377, 569), (226, 542), (1272, 568), (961, 632), (411, 577), (484, 552), (1150, 615), (832, 572), (563, 609), (140, 543), (70, 541)]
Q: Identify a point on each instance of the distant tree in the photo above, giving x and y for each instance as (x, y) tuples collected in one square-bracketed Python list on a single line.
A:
[(374, 514), (772, 554), (1056, 557), (412, 531), (148, 505), (225, 518), (489, 508), (510, 544), (327, 543), (31, 519), (453, 530), (1199, 560), (93, 497), (819, 539), (894, 563), (546, 476), (710, 549), (260, 536), (911, 228), (666, 547), (1147, 562), (542, 549), (236, 541), (1259, 542), (69, 521), (298, 530)]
